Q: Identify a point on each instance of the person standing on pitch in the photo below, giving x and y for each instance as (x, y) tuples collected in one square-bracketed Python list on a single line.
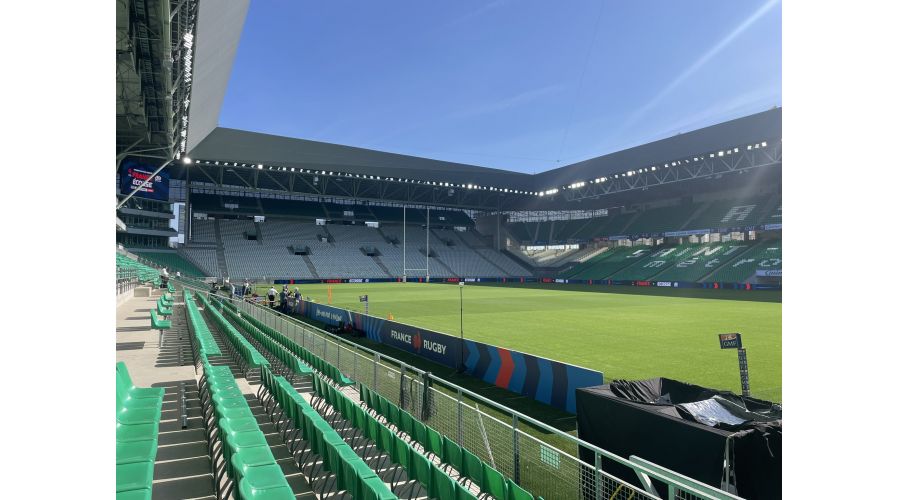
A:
[(272, 293), (282, 303)]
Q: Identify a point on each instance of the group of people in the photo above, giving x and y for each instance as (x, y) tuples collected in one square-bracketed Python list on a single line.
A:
[(284, 301), (287, 300)]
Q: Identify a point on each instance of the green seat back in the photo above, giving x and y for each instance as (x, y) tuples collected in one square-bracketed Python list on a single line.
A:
[(421, 469), (472, 467), (452, 454), (516, 492), (463, 493), (420, 432), (406, 422), (442, 485), (434, 442), (493, 482), (403, 452)]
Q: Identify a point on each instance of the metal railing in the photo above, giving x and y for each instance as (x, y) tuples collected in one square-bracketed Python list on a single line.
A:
[(504, 438), (126, 280)]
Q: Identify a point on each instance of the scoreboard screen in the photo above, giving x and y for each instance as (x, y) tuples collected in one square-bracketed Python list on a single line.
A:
[(134, 172)]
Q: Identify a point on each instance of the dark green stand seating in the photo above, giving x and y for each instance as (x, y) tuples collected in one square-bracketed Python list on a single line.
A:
[(338, 457)]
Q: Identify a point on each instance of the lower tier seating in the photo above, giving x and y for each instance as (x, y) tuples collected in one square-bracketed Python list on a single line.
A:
[(765, 255), (138, 412)]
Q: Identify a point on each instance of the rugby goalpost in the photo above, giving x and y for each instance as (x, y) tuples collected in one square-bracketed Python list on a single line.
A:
[(427, 245)]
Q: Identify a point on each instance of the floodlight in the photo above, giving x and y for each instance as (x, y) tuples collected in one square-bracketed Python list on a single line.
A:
[(763, 144), (186, 160)]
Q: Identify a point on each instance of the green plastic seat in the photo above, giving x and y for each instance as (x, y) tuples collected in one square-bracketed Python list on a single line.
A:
[(516, 492), (402, 453), (124, 401), (158, 324), (251, 457), (134, 476), (442, 485), (406, 423), (494, 483), (420, 470), (463, 493), (472, 467), (452, 454), (251, 491), (136, 432), (420, 432), (136, 451), (384, 440), (134, 391), (139, 494), (434, 442), (129, 416), (375, 489)]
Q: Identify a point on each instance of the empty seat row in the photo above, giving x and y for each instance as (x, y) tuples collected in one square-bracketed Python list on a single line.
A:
[(351, 472), (138, 412), (248, 356), (281, 352), (469, 467), (304, 355), (247, 460), (204, 339)]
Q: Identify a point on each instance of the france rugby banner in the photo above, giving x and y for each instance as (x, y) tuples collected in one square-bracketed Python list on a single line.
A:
[(544, 380), (134, 172)]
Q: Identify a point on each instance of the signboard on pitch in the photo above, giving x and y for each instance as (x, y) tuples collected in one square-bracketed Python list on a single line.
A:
[(730, 341)]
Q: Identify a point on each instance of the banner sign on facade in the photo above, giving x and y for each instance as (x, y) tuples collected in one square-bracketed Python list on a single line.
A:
[(691, 232)]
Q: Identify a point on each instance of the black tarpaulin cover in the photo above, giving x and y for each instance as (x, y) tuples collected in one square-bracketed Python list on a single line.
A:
[(685, 428)]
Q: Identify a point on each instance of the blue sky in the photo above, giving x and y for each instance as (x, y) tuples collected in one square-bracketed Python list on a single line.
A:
[(514, 84)]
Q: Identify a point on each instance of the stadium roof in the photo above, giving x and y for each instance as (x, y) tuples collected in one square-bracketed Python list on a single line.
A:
[(218, 32), (227, 144)]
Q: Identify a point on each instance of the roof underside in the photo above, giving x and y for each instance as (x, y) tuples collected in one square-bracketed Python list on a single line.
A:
[(224, 144)]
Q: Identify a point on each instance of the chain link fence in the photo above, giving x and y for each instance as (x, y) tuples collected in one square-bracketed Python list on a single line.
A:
[(503, 438)]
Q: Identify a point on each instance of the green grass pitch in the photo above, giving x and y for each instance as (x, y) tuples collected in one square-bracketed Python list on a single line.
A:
[(623, 332)]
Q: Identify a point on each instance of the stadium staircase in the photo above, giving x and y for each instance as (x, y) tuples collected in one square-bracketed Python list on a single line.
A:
[(742, 268), (629, 223), (311, 266), (184, 255), (381, 266), (687, 224), (517, 259), (328, 234), (701, 259), (441, 263), (384, 237), (220, 251), (258, 231)]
